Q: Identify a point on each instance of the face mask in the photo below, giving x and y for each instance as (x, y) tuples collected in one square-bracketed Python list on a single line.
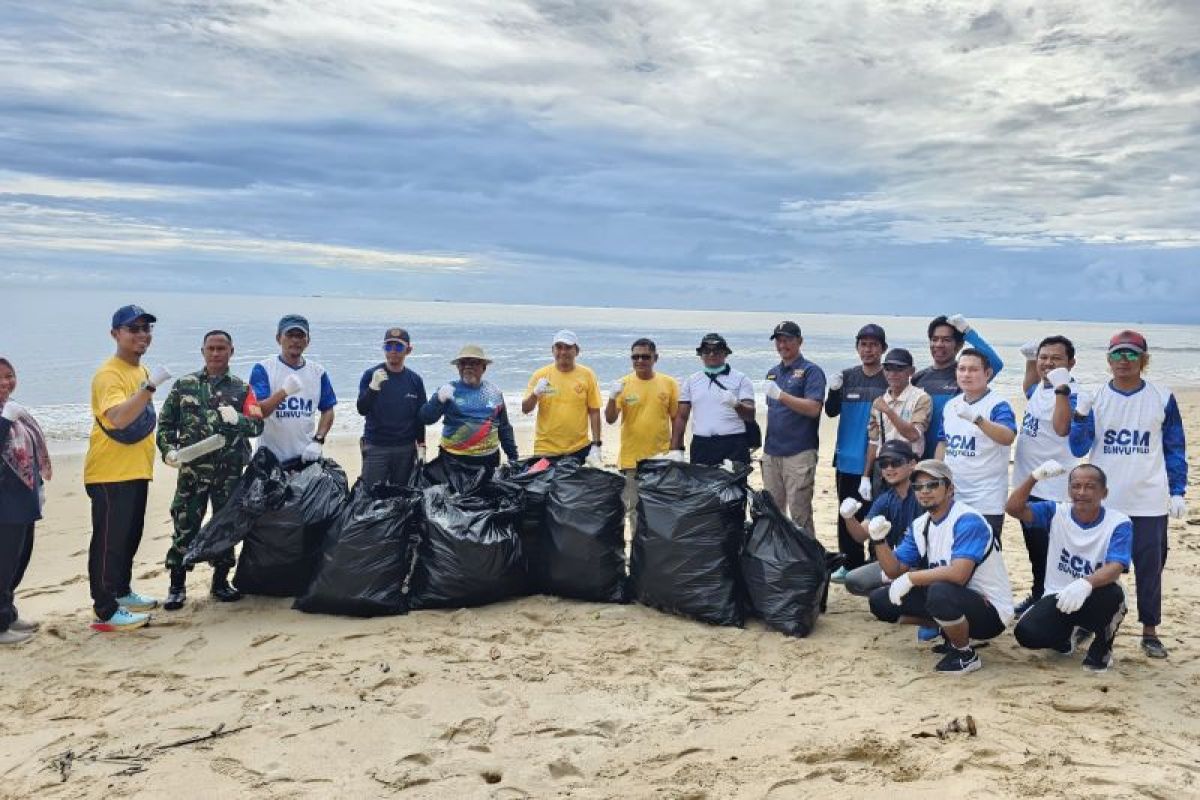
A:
[(715, 370)]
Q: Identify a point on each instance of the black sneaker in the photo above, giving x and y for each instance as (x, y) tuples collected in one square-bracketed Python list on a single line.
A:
[(1020, 608), (1098, 662), (959, 662), (1153, 647), (222, 592), (177, 593), (945, 647)]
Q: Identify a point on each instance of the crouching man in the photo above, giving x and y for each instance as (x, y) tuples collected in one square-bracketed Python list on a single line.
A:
[(1090, 547), (947, 571)]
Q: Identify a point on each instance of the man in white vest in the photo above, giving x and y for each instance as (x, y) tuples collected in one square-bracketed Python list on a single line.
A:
[(946, 571), (1089, 549)]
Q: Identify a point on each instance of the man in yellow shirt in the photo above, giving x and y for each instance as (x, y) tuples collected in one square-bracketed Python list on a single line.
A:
[(567, 399), (118, 469), (646, 402)]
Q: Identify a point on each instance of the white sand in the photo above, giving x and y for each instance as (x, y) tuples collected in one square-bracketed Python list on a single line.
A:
[(548, 698)]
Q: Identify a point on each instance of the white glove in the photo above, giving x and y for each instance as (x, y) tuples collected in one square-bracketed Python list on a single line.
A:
[(849, 507), (377, 378), (1030, 350), (595, 456), (421, 453), (959, 322), (773, 391), (1059, 377), (542, 387), (159, 376), (445, 393), (727, 465), (171, 458), (878, 528), (864, 488), (835, 383), (12, 410), (312, 452), (1083, 403), (675, 455), (900, 587), (728, 398), (615, 388), (966, 412), (229, 415), (1072, 598), (292, 384), (1048, 469), (1178, 506)]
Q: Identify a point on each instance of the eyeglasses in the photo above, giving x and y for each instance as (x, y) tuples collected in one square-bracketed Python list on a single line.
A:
[(1127, 355), (143, 327), (641, 356), (926, 486), (394, 347)]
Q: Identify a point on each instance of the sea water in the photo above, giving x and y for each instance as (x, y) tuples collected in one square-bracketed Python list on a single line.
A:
[(56, 339)]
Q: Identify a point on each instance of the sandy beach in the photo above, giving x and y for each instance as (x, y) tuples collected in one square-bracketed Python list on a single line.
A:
[(542, 697)]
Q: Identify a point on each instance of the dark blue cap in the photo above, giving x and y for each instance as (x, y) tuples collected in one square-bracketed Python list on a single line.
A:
[(872, 331), (126, 315), (292, 322)]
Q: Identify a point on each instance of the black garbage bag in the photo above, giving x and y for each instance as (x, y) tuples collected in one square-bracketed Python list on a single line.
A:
[(533, 478), (263, 487), (280, 550), (461, 478), (784, 570), (469, 552), (582, 554), (365, 557), (691, 523)]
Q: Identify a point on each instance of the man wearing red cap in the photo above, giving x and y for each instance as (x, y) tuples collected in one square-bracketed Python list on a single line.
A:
[(1132, 429)]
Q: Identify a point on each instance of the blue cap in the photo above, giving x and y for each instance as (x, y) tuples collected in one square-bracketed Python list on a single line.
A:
[(292, 322), (128, 314)]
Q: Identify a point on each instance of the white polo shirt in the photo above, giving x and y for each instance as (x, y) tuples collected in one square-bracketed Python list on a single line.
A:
[(711, 417)]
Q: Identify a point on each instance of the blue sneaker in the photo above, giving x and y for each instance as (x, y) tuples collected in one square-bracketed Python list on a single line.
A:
[(839, 575), (928, 634), (123, 620), (136, 602)]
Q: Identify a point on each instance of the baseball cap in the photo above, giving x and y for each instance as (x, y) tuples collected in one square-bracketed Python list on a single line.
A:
[(898, 449), (786, 328), (292, 322), (127, 314), (872, 331), (396, 335), (898, 356), (935, 469), (566, 337), (471, 351), (713, 340), (1128, 340)]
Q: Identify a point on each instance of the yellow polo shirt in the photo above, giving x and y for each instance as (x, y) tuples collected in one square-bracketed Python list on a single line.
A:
[(109, 461), (647, 408), (562, 413)]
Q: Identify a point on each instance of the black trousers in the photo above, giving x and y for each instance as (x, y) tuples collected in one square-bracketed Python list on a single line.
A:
[(944, 603), (1044, 626), (996, 523), (847, 486), (1037, 544), (16, 546), (1149, 558), (712, 450), (118, 516)]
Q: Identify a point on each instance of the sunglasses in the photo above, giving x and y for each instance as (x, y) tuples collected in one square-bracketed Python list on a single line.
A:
[(394, 347), (894, 367), (143, 327), (890, 463), (641, 356), (1124, 355), (926, 486), (470, 363), (709, 351)]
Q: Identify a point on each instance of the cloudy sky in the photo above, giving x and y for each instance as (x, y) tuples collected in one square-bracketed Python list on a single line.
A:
[(1007, 159)]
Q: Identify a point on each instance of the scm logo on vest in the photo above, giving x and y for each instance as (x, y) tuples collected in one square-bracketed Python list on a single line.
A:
[(1125, 442)]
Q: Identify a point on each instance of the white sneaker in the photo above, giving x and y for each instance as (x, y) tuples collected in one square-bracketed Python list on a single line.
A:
[(14, 637), (24, 626)]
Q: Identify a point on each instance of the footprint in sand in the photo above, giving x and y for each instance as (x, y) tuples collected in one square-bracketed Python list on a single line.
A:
[(562, 768)]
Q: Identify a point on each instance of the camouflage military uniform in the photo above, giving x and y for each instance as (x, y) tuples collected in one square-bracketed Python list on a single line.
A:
[(188, 416)]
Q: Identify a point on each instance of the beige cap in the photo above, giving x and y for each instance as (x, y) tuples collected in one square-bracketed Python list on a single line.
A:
[(935, 469), (471, 351)]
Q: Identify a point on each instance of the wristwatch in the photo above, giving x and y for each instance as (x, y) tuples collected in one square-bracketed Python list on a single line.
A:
[(319, 439), (148, 386), (1065, 391), (978, 419)]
